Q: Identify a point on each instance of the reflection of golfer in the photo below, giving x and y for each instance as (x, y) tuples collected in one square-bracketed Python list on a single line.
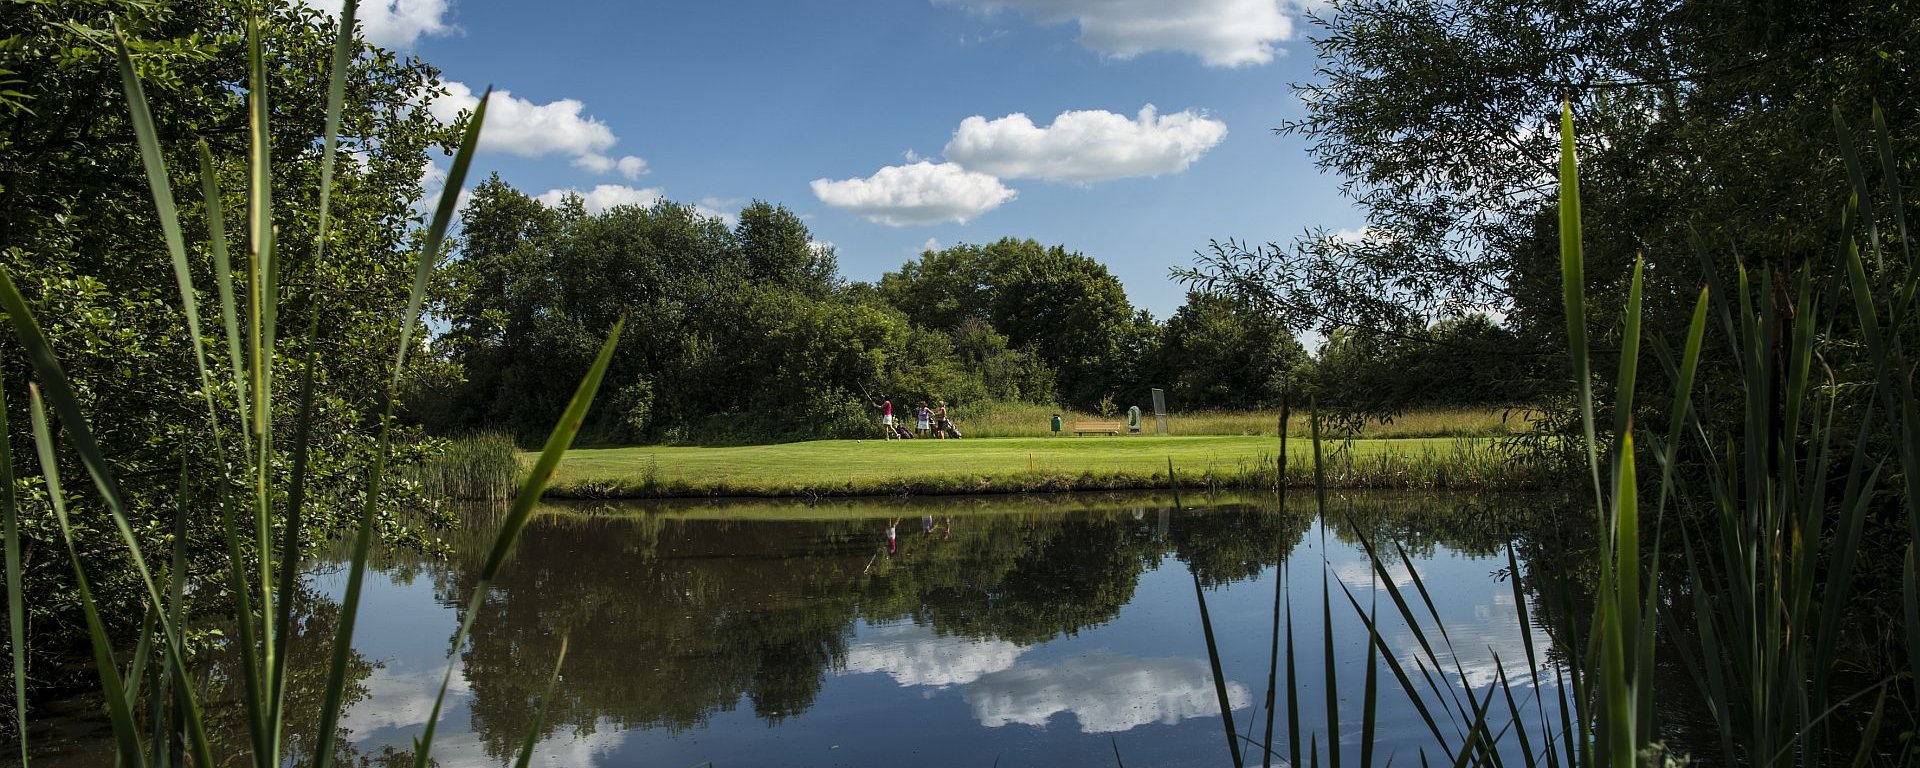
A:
[(893, 536)]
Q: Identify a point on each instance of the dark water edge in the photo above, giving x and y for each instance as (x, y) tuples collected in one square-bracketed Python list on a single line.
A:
[(1045, 630)]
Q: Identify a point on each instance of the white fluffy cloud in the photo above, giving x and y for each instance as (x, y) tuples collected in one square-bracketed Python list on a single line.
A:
[(1222, 33), (394, 24), (1085, 146), (630, 166), (918, 193), (604, 196), (521, 127)]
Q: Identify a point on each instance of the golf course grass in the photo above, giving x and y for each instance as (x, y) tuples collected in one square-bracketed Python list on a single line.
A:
[(998, 465)]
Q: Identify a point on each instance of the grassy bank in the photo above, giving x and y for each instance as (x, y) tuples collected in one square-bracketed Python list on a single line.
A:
[(1030, 420), (1004, 465)]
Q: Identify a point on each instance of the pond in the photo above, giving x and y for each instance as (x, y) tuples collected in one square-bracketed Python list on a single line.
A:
[(1017, 631), (1039, 631)]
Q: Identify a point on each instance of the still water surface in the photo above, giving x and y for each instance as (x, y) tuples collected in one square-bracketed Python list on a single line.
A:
[(970, 632)]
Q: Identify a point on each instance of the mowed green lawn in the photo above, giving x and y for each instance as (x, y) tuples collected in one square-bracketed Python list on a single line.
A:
[(865, 462)]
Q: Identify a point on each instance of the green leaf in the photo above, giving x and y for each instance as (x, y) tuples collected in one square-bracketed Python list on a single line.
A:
[(1573, 289), (119, 711), (16, 610)]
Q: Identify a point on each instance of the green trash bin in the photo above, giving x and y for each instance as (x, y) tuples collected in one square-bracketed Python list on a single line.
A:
[(1056, 424)]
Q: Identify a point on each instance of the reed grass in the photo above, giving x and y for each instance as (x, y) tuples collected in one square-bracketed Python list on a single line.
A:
[(155, 686), (480, 466), (1769, 572)]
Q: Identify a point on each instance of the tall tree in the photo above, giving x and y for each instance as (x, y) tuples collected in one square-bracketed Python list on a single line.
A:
[(1065, 306), (1708, 118), (781, 252), (1219, 352)]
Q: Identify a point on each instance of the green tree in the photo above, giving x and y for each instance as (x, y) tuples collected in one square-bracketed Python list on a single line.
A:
[(1065, 306), (781, 252), (1697, 118), (1219, 352), (79, 233)]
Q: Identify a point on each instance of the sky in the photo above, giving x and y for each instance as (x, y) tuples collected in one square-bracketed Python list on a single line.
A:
[(1133, 131)]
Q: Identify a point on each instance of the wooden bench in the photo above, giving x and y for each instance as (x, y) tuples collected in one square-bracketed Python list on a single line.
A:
[(1099, 427)]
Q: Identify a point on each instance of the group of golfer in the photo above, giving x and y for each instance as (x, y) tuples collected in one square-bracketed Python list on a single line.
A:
[(927, 422)]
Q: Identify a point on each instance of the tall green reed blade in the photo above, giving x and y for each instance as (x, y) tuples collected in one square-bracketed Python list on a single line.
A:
[(1369, 688), (1213, 649), (1573, 287), (1326, 603), (266, 308), (1533, 662), (1637, 630), (259, 731), (291, 530), (546, 702), (223, 279), (1682, 396), (334, 692), (169, 215), (1414, 695), (126, 735), (343, 52), (1279, 588), (264, 269), (1293, 680), (1619, 724), (16, 609), (164, 729), (1332, 669), (1629, 357), (1213, 660), (516, 519), (252, 679), (344, 49), (1857, 177), (59, 394), (1890, 181)]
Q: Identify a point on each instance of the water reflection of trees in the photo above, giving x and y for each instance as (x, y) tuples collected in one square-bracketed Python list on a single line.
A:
[(674, 617)]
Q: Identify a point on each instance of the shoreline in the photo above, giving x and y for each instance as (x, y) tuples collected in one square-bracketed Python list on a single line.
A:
[(833, 469)]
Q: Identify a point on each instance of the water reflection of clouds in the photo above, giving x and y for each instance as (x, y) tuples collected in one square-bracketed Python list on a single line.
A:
[(1106, 693), (1490, 630), (914, 655), (402, 701), (1493, 642), (399, 699), (1357, 574)]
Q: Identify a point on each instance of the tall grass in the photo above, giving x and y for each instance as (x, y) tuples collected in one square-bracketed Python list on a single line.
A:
[(480, 466), (996, 419), (155, 685), (1768, 572)]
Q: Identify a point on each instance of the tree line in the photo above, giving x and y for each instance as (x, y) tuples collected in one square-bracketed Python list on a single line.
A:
[(749, 332)]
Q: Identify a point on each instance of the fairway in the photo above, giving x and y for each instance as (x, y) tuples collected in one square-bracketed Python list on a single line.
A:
[(857, 465)]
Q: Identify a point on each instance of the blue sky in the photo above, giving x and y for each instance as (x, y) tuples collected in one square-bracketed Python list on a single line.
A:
[(892, 124)]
